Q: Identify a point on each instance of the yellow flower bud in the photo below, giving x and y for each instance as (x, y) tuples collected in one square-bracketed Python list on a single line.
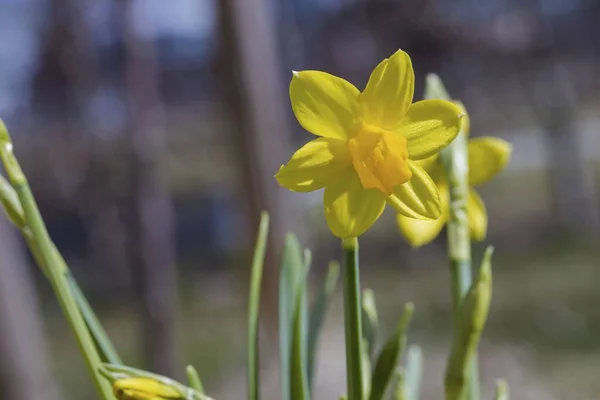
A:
[(144, 389)]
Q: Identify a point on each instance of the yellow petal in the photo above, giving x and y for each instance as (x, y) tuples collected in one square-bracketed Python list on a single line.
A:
[(418, 198), (419, 232), (314, 165), (325, 104), (477, 216), (429, 126), (350, 209), (389, 92), (487, 157)]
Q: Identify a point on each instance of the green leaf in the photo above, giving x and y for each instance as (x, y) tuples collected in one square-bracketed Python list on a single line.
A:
[(194, 379), (253, 307), (414, 372), (105, 347), (502, 392), (400, 391), (370, 321), (290, 275), (366, 370), (298, 378), (389, 356), (317, 314)]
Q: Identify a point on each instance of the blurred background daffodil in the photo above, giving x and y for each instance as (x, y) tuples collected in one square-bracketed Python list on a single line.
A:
[(487, 157)]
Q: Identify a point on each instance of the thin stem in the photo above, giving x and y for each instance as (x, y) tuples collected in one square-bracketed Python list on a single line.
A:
[(55, 270), (352, 320), (456, 164), (455, 160)]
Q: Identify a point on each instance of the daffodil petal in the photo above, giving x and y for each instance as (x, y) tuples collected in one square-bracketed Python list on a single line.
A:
[(389, 92), (419, 197), (429, 126), (477, 216), (487, 157), (314, 165), (419, 232), (325, 104), (349, 208)]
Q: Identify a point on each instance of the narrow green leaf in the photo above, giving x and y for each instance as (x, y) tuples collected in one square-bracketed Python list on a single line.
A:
[(298, 378), (414, 372), (290, 274), (253, 307), (370, 320), (502, 392), (390, 355), (317, 314), (105, 347), (366, 370), (194, 379), (473, 315), (400, 390)]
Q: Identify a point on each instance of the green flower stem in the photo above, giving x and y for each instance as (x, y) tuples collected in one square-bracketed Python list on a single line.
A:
[(456, 164), (352, 320), (51, 264)]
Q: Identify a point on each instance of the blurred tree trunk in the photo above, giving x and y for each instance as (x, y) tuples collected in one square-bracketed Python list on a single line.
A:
[(152, 237), (571, 180), (250, 69), (24, 369)]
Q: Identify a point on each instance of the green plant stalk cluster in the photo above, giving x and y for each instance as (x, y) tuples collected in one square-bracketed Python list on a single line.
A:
[(299, 324)]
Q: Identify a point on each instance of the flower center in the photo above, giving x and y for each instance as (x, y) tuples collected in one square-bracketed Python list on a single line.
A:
[(380, 159)]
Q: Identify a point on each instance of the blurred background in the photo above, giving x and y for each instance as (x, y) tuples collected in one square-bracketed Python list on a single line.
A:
[(150, 131)]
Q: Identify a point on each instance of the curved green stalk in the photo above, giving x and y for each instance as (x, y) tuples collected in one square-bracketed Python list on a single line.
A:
[(51, 264)]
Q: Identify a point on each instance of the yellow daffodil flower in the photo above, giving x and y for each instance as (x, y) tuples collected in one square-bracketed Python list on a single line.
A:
[(487, 157), (138, 388), (368, 145)]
